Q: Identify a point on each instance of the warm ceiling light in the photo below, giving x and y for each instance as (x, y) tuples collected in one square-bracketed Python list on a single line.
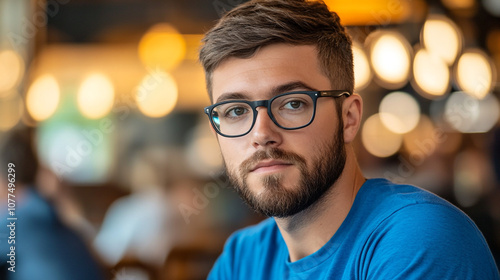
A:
[(11, 70), (399, 112), (362, 71), (43, 97), (390, 58), (431, 75), (157, 94), (162, 46), (378, 140), (96, 96), (441, 37), (475, 73)]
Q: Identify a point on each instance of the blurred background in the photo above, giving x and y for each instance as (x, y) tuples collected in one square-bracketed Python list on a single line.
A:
[(112, 96)]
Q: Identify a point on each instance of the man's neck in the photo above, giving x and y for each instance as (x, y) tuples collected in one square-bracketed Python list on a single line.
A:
[(307, 231)]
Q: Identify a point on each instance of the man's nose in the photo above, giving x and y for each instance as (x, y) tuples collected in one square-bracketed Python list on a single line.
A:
[(265, 132)]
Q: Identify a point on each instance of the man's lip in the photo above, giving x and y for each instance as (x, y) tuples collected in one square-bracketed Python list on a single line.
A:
[(268, 163)]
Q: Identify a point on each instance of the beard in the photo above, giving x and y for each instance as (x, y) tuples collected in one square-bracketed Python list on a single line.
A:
[(278, 201)]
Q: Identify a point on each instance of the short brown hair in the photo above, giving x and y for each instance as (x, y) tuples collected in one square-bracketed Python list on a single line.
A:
[(258, 23)]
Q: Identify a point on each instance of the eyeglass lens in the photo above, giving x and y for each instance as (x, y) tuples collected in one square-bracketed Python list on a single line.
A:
[(289, 111)]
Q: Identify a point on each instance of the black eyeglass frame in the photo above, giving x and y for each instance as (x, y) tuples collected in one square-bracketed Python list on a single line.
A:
[(267, 103)]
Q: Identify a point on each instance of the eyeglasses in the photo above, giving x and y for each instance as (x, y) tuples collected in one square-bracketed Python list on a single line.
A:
[(292, 110)]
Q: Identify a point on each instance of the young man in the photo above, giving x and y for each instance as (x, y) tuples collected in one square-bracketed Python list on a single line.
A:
[(280, 77)]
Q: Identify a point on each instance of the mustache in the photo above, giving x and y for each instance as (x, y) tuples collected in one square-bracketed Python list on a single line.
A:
[(272, 153)]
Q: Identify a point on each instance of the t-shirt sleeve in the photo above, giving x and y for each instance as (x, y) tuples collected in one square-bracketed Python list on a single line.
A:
[(428, 241)]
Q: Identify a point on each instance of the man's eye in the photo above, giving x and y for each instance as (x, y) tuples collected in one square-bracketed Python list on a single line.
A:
[(236, 111), (294, 104)]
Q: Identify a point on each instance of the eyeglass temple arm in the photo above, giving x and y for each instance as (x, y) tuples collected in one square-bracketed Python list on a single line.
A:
[(334, 93)]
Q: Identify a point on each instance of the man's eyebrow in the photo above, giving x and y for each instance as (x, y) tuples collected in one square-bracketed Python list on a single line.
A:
[(291, 86), (231, 96)]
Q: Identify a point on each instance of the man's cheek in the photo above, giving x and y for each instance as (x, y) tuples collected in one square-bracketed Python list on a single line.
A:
[(229, 156)]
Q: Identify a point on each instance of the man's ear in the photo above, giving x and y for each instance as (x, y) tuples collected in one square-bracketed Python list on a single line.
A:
[(352, 111)]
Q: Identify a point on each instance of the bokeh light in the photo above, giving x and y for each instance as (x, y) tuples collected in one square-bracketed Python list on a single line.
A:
[(452, 139), (43, 97), (96, 96), (470, 115), (8, 93), (157, 94), (431, 75), (390, 58), (489, 113), (492, 6), (399, 112), (162, 46), (378, 140), (11, 110), (475, 74), (441, 37), (452, 143), (458, 4), (11, 70), (362, 71), (424, 138)]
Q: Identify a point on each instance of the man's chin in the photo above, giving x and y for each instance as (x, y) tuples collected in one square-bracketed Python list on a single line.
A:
[(270, 200)]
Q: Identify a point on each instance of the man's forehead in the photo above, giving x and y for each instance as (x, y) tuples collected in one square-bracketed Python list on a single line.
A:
[(270, 67)]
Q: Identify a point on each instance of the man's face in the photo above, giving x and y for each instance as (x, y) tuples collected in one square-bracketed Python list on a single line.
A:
[(280, 172)]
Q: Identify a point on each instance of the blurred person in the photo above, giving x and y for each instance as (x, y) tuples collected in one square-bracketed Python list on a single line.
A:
[(141, 228), (61, 196), (280, 77), (44, 247)]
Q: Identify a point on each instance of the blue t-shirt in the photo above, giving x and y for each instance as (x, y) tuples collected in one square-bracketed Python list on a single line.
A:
[(391, 232)]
